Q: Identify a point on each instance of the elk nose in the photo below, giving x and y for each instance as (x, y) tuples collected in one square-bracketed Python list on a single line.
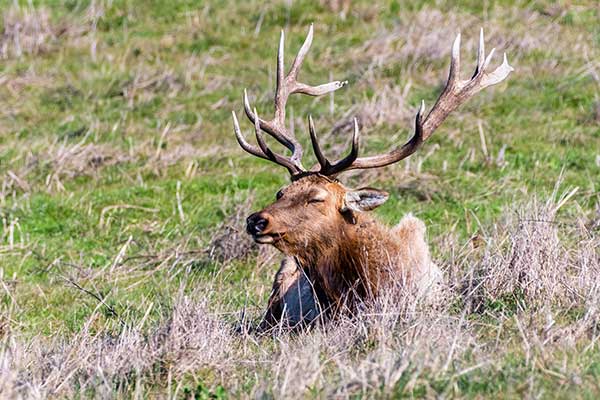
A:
[(256, 224)]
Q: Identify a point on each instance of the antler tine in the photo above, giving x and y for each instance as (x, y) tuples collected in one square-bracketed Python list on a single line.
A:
[(280, 92), (455, 93), (259, 138), (293, 74), (326, 168), (267, 126), (480, 54), (263, 151), (339, 166), (255, 151), (286, 85), (323, 162), (454, 64)]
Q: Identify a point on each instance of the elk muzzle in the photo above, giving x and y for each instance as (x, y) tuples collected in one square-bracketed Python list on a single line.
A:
[(259, 226)]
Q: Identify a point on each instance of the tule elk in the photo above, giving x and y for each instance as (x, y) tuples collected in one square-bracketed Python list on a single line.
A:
[(336, 254)]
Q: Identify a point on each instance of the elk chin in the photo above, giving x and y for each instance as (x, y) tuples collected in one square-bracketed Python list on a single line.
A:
[(264, 239), (273, 238)]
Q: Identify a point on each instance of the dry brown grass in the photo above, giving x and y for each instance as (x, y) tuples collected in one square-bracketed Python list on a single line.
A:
[(60, 160), (189, 339), (27, 30), (31, 30), (388, 105), (540, 260), (516, 31), (341, 7)]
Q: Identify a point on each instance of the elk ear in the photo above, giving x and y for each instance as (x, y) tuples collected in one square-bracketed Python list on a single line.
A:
[(364, 199)]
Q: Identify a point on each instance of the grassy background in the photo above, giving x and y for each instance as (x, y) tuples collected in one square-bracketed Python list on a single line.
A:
[(121, 174)]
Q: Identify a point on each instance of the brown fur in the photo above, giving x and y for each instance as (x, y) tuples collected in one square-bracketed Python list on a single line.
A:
[(347, 255)]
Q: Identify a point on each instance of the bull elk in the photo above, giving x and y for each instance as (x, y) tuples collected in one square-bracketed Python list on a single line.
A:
[(335, 252)]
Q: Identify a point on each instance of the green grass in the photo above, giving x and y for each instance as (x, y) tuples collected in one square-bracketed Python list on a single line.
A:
[(186, 63)]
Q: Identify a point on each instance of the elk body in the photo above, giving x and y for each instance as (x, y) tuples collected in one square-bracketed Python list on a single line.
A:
[(337, 254)]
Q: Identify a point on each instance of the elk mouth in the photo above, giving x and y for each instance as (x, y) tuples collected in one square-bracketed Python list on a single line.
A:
[(267, 238)]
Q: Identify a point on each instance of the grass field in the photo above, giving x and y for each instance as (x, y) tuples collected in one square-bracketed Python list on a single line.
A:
[(124, 267)]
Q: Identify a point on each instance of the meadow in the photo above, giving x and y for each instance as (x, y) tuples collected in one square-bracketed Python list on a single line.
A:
[(125, 270)]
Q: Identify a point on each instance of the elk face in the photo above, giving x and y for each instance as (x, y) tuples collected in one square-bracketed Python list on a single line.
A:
[(310, 213)]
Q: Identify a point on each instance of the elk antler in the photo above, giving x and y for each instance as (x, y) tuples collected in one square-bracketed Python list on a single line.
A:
[(286, 85), (454, 94)]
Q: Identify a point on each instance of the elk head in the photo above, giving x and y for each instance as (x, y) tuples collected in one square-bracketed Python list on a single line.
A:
[(315, 208)]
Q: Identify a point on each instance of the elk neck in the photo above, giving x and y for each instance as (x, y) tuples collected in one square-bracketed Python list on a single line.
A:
[(351, 259)]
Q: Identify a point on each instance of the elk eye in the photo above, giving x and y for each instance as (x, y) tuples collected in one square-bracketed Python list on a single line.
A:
[(316, 200), (279, 195)]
